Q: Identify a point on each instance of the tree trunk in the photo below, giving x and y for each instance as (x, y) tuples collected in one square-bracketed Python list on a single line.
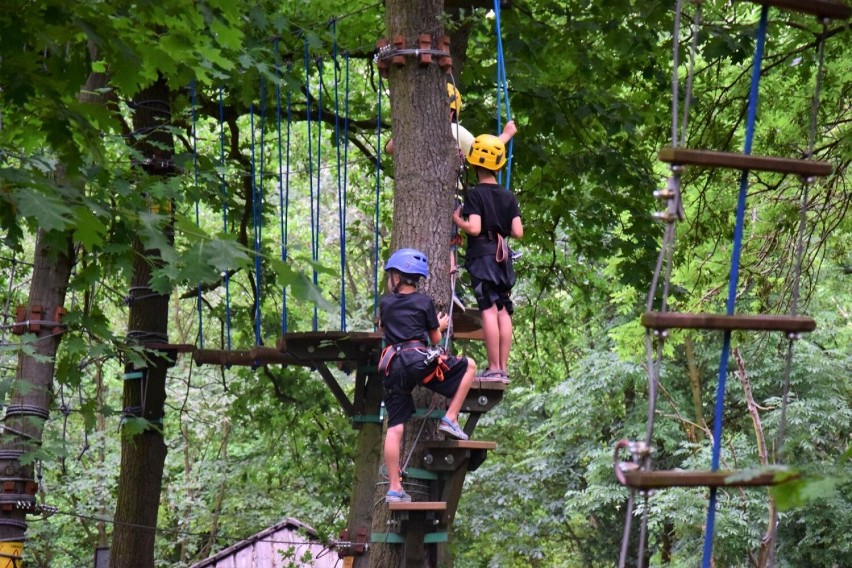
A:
[(143, 455), (33, 388), (425, 166)]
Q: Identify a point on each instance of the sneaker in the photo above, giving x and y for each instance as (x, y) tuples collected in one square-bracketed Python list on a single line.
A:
[(397, 497), (451, 429)]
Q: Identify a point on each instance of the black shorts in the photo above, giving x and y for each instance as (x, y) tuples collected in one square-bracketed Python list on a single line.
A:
[(407, 370), (492, 283)]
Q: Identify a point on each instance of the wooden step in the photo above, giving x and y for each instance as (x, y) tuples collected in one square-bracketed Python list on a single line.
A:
[(462, 444), (820, 8), (676, 478), (451, 455), (710, 158), (418, 506), (675, 320)]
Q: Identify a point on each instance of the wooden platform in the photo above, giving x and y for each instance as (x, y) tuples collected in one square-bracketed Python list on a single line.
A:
[(462, 444), (820, 8), (710, 158), (676, 478), (418, 506), (675, 320)]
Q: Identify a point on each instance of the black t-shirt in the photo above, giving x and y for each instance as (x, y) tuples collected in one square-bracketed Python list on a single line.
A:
[(407, 317), (497, 207)]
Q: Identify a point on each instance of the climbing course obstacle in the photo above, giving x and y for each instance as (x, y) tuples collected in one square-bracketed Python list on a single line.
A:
[(638, 475)]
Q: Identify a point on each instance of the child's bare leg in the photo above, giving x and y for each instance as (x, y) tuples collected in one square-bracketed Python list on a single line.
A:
[(504, 323), (393, 439), (464, 386), (491, 331)]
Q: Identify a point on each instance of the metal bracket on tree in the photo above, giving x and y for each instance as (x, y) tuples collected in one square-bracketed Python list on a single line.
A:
[(394, 53)]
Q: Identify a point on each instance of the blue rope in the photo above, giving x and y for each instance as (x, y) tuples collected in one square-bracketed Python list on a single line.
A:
[(340, 212), (310, 163), (345, 181), (502, 94), (225, 275), (285, 242), (259, 203), (281, 184), (376, 220), (319, 177), (197, 211), (732, 282)]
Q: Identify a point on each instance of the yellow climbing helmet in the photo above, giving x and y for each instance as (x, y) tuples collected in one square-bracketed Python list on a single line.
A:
[(455, 98), (487, 151)]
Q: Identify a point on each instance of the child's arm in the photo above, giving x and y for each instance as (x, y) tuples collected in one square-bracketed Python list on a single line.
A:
[(517, 228), (508, 132), (443, 323), (472, 226)]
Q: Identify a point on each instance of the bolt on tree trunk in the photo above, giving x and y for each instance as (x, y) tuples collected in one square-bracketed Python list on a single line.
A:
[(425, 166), (143, 455)]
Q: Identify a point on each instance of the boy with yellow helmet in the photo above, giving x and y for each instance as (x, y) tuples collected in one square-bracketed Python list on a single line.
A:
[(490, 215)]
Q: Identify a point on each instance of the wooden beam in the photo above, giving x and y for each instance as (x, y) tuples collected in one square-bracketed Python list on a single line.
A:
[(674, 320), (418, 506), (338, 393), (675, 478), (462, 444), (710, 158), (819, 8), (256, 356)]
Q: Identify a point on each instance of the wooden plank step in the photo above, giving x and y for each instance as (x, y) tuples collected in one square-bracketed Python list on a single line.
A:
[(711, 158), (677, 478), (419, 506), (256, 356), (675, 320), (462, 444), (480, 385), (819, 8)]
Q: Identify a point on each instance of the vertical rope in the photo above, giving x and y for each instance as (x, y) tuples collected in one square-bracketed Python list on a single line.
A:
[(198, 301), (675, 67), (503, 93), (345, 183), (225, 275), (310, 164), (732, 283), (281, 213), (340, 221), (376, 220), (319, 177)]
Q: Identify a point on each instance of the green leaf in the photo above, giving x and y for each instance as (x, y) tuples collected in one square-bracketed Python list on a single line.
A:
[(89, 230)]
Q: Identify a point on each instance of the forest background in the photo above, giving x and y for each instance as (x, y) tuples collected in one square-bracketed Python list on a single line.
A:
[(590, 90)]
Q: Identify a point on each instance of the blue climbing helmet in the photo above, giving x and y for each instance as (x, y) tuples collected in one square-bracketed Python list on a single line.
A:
[(409, 261)]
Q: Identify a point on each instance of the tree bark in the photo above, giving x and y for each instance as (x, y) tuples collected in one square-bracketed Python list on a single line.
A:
[(425, 167), (143, 455), (33, 388)]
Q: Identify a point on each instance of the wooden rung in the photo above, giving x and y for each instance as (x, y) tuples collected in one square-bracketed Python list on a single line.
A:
[(462, 444), (479, 385), (820, 8), (710, 158), (419, 506), (674, 320), (676, 478)]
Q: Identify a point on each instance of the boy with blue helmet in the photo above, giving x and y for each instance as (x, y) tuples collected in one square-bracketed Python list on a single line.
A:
[(409, 322)]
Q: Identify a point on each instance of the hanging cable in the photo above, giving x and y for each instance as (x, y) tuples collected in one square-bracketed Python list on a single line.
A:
[(319, 177), (280, 183), (751, 117), (197, 212), (225, 274), (340, 214), (345, 186), (314, 237), (502, 94), (376, 220)]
